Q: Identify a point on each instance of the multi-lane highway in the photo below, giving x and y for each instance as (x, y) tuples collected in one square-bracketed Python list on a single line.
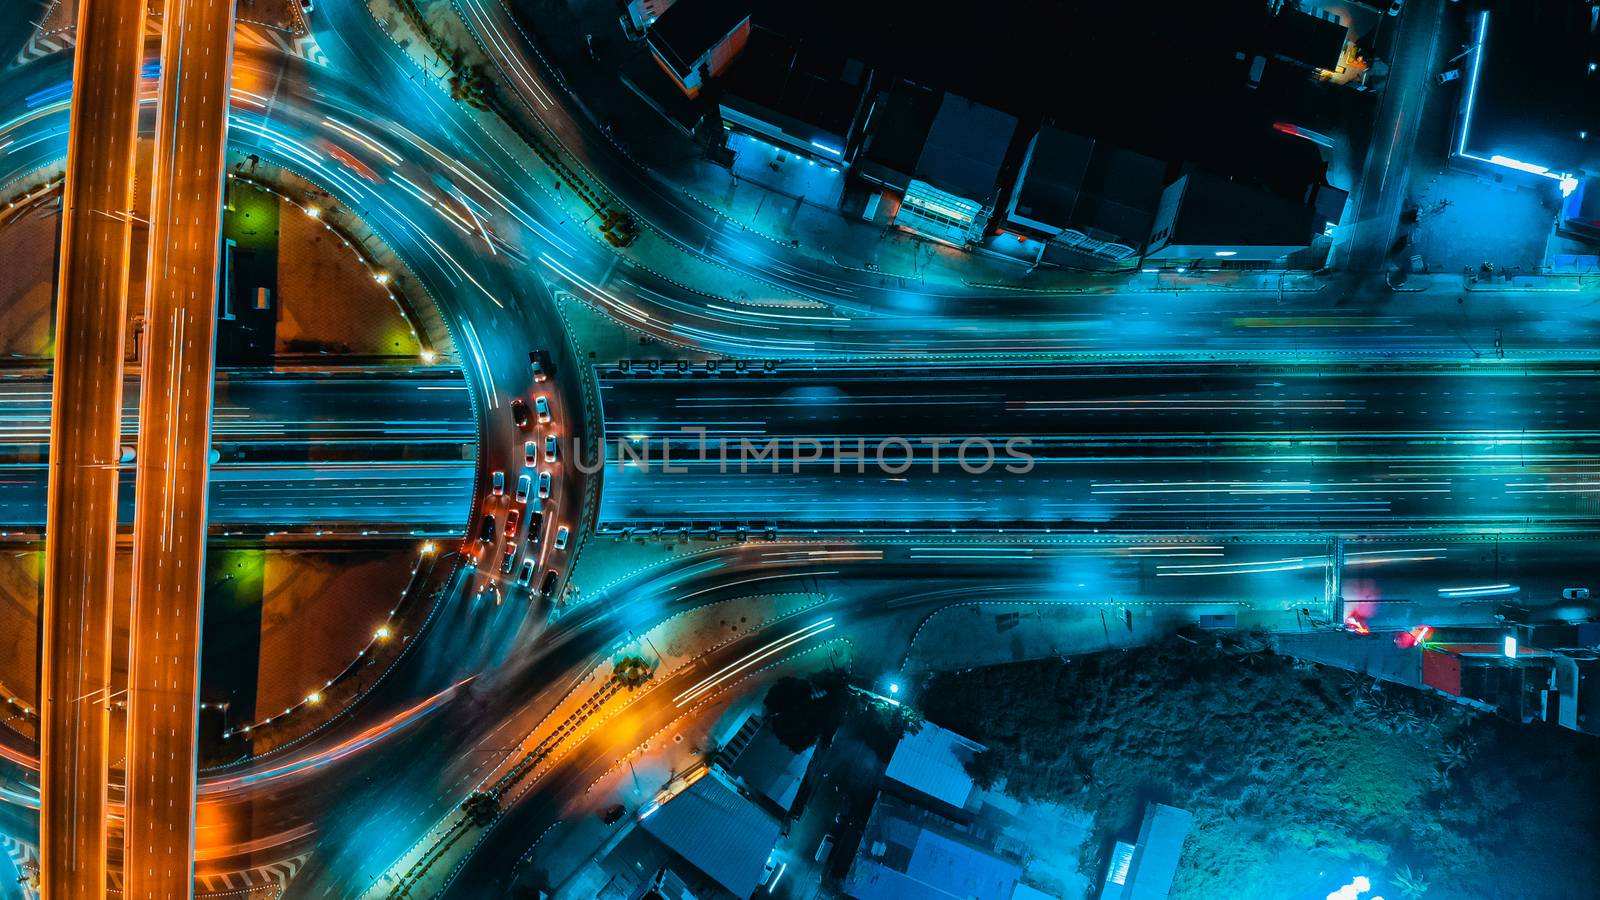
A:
[(1130, 448), (75, 657), (339, 451), (385, 413), (169, 526)]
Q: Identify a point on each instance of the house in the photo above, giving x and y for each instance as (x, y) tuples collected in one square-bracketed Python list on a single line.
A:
[(694, 41), (907, 853), (755, 759), (1086, 195), (1144, 869), (1206, 218), (705, 821), (795, 96), (929, 767)]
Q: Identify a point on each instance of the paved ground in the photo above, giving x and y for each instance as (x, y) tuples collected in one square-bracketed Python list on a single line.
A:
[(28, 242)]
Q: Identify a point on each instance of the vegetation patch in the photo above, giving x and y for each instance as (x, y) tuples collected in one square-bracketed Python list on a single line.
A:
[(1299, 777)]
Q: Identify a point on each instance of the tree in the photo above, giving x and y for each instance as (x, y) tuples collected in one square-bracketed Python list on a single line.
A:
[(802, 711), (632, 671)]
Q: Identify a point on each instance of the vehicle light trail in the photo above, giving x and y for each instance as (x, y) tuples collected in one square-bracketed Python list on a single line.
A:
[(750, 659)]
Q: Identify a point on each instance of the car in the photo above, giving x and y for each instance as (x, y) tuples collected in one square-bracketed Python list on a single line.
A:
[(497, 483), (542, 406), (552, 448), (824, 848), (1574, 593), (548, 585), (513, 518), (539, 362), (524, 484), (562, 534), (525, 574), (530, 452), (534, 524), (1394, 7), (613, 814), (307, 7), (1451, 75), (486, 528), (519, 413), (509, 561), (544, 484)]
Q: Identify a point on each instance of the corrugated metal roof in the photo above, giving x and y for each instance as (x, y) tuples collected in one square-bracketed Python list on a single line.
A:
[(933, 762), (718, 831), (916, 862), (1155, 857)]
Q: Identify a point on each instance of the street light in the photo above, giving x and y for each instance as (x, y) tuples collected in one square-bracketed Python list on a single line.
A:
[(894, 687)]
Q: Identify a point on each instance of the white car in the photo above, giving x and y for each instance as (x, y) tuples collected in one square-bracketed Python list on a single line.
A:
[(524, 484), (544, 484), (525, 574), (541, 407), (1394, 8), (498, 483), (530, 452), (562, 534)]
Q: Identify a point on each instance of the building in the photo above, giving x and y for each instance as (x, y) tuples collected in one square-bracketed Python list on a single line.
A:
[(1206, 219), (930, 768), (895, 129), (664, 885), (1311, 41), (705, 821), (801, 98), (1529, 108), (943, 152), (694, 41), (1086, 195), (957, 178), (1144, 870), (639, 15), (757, 761), (908, 853), (1580, 212)]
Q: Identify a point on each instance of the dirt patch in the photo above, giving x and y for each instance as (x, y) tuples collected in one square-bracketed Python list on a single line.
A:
[(327, 298), (318, 610)]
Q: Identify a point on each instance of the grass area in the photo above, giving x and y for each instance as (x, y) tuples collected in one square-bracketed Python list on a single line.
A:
[(1299, 777)]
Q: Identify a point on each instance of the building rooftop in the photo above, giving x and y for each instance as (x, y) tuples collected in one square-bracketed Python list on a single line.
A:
[(965, 146), (897, 126), (1217, 212), (1155, 856), (1052, 176), (717, 830), (1072, 181), (770, 769), (933, 762), (793, 79), (1535, 97), (1308, 39), (912, 854), (689, 28)]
